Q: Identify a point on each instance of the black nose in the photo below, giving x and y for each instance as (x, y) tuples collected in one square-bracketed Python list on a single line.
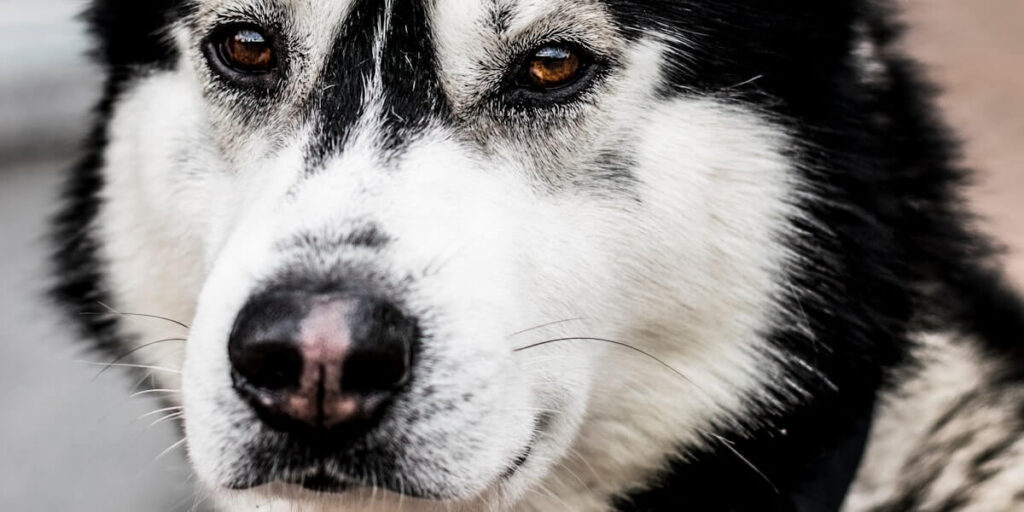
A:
[(319, 360)]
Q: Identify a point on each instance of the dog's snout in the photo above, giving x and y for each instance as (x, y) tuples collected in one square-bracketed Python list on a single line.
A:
[(320, 360)]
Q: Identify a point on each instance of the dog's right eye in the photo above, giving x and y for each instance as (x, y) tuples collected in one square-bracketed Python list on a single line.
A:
[(552, 67), (242, 52)]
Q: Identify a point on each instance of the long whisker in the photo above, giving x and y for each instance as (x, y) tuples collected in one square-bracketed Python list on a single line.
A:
[(123, 365), (197, 501), (176, 408), (140, 382), (171, 448), (142, 315), (150, 391), (729, 445), (541, 326), (610, 342), (111, 310), (134, 350), (169, 417)]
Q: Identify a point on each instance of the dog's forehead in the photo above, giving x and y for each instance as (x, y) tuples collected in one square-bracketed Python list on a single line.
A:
[(508, 18)]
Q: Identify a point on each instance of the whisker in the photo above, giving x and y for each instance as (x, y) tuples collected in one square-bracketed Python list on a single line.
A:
[(148, 391), (171, 448), (136, 349), (123, 365), (197, 501), (111, 310), (541, 326), (745, 82), (158, 411), (729, 445), (169, 417), (610, 342), (147, 376)]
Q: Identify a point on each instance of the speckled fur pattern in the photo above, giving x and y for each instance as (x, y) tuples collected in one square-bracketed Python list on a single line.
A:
[(694, 283)]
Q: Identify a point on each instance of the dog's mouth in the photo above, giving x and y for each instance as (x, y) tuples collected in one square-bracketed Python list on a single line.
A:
[(541, 425), (323, 482), (320, 476), (320, 481)]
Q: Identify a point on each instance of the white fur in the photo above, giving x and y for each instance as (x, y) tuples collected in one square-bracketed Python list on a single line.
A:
[(952, 370)]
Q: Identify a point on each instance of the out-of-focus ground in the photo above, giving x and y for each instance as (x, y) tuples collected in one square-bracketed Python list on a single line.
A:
[(71, 441), (70, 438)]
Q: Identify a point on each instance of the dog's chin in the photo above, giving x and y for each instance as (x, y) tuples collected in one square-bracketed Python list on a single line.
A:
[(324, 476), (319, 482), (325, 483), (322, 482)]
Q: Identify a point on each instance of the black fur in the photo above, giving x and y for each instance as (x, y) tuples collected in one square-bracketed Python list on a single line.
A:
[(339, 104), (892, 251), (130, 41), (408, 70)]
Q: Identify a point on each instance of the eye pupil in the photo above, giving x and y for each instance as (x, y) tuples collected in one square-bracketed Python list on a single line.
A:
[(248, 50), (553, 66)]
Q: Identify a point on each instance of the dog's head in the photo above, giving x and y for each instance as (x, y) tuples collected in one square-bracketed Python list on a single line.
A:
[(459, 251)]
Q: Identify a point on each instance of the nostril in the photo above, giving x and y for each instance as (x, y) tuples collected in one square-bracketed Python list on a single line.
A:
[(372, 372), (262, 348), (269, 366), (380, 361)]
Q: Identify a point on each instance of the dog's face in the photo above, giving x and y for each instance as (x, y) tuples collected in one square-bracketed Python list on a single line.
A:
[(423, 245)]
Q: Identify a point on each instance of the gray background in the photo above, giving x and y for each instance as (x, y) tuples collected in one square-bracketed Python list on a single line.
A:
[(70, 440)]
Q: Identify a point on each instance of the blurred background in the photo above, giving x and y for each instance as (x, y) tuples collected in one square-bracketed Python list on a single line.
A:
[(72, 440)]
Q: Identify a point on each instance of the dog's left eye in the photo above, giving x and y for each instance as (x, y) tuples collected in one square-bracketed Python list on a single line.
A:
[(242, 52), (554, 72)]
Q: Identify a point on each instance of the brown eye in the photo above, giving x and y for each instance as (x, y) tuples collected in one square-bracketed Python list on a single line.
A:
[(244, 54), (552, 67), (248, 50)]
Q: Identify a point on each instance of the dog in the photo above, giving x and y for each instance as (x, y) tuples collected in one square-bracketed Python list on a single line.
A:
[(585, 255)]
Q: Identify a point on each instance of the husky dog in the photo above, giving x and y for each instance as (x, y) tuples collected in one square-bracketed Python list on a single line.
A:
[(582, 255)]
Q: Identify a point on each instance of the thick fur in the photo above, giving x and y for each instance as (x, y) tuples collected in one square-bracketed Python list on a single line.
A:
[(746, 231)]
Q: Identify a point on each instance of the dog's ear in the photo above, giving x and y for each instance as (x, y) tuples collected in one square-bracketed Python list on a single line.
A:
[(132, 33)]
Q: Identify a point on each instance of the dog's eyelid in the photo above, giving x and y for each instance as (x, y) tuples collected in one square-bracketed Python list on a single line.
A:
[(269, 16), (272, 28), (523, 49)]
